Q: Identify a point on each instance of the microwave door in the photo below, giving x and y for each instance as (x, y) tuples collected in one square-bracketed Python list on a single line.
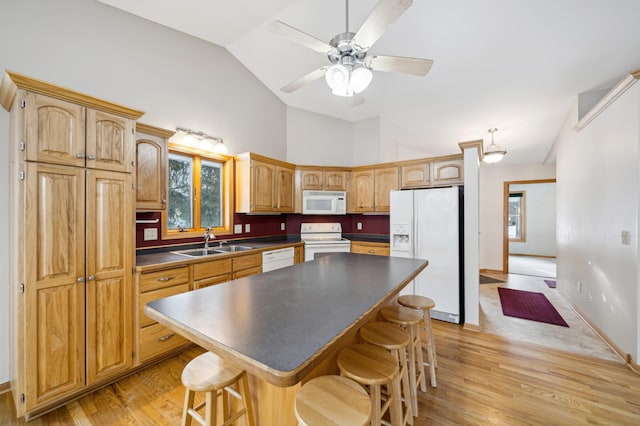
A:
[(320, 205)]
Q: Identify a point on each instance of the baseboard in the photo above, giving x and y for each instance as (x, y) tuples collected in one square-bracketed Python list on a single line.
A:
[(5, 387), (471, 327), (615, 348), (532, 255), (491, 271)]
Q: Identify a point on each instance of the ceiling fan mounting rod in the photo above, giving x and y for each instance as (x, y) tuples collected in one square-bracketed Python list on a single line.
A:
[(346, 25)]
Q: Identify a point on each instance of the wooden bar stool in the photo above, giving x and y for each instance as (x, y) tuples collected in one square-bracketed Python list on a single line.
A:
[(332, 401), (394, 339), (211, 374), (425, 305), (409, 319), (373, 366)]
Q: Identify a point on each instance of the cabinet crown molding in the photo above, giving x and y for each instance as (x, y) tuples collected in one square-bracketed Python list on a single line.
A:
[(13, 81)]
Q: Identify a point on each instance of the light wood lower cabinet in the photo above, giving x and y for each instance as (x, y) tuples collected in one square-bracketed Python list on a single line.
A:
[(213, 272), (154, 339), (247, 265), (298, 254), (373, 248)]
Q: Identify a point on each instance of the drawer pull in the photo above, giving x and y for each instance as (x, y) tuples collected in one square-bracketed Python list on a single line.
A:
[(372, 251), (163, 279), (167, 337)]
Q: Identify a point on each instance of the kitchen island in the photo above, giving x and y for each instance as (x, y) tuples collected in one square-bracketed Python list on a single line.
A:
[(287, 326)]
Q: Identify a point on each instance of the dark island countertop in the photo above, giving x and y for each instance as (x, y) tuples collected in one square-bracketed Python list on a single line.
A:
[(280, 324)]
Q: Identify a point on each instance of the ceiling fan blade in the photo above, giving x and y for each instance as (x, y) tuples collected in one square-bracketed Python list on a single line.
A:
[(381, 17), (303, 81), (399, 64), (299, 37)]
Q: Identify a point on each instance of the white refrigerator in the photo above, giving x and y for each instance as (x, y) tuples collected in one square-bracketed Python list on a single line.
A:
[(426, 224)]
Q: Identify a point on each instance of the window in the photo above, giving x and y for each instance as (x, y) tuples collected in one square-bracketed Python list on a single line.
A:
[(517, 215), (199, 193)]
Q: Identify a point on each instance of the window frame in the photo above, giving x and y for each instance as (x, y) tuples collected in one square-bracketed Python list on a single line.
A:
[(522, 216), (227, 193)]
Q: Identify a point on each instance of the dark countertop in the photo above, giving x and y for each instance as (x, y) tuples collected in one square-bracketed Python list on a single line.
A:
[(278, 325), (163, 258), (373, 238)]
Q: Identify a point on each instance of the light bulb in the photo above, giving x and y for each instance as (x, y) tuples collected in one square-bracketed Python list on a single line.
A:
[(337, 77), (360, 79)]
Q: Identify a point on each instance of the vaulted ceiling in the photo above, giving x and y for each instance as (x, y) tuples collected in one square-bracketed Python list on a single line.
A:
[(515, 65)]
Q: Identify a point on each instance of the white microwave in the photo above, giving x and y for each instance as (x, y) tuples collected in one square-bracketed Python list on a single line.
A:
[(324, 202)]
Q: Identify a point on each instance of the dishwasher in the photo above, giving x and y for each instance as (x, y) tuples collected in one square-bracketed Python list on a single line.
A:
[(276, 259)]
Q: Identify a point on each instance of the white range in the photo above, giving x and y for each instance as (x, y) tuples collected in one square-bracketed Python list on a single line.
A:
[(323, 238)]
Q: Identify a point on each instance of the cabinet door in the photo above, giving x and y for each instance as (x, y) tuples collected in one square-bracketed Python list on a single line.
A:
[(448, 172), (151, 173), (284, 189), (110, 143), (362, 191), (335, 180), (298, 255), (109, 260), (386, 180), (54, 282), (262, 186), (54, 131), (311, 180), (415, 175)]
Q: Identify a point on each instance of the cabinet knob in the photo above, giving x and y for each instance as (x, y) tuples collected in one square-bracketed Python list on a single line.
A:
[(91, 157), (80, 155), (80, 279), (92, 277)]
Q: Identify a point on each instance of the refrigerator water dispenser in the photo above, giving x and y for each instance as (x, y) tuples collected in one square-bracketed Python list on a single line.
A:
[(401, 237)]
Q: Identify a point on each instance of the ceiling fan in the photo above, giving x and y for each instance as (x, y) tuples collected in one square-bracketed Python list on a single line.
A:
[(348, 52)]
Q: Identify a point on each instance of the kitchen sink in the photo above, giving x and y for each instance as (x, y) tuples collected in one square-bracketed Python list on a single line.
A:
[(211, 251), (227, 249)]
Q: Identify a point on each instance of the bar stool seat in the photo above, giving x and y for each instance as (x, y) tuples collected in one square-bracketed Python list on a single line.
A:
[(425, 305), (211, 374), (409, 319), (396, 340), (374, 366), (332, 401)]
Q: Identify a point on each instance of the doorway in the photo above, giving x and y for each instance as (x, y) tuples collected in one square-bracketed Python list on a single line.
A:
[(529, 245)]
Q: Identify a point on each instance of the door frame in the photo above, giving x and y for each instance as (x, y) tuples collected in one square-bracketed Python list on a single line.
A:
[(505, 216)]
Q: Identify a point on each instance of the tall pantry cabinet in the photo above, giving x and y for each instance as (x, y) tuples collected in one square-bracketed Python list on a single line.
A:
[(72, 220)]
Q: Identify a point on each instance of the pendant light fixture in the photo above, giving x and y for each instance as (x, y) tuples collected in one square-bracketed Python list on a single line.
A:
[(493, 153)]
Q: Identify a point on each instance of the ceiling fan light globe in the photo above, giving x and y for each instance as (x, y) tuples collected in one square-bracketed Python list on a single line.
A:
[(360, 79), (337, 77), (346, 92)]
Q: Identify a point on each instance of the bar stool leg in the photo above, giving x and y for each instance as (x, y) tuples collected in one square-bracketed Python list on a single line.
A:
[(375, 405), (431, 348), (246, 397), (395, 408), (406, 386), (210, 408), (189, 397)]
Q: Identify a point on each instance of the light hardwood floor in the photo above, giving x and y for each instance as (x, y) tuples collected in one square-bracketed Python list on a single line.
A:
[(483, 379)]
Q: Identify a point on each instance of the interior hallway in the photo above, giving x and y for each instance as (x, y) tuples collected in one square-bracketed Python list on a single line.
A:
[(578, 338), (532, 265)]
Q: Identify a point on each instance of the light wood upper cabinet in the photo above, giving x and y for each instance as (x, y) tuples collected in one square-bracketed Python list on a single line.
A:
[(386, 180), (61, 132), (151, 167), (447, 172), (370, 188), (284, 189), (264, 185), (55, 130), (361, 193), (323, 180), (414, 175)]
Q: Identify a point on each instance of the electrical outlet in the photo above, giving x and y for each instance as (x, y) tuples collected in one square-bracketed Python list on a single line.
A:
[(359, 226), (282, 226), (150, 234), (237, 229), (247, 227)]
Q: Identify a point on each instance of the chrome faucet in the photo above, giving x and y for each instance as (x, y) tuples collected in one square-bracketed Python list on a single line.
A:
[(207, 237)]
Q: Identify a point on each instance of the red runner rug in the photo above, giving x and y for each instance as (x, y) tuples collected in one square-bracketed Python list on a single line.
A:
[(529, 305)]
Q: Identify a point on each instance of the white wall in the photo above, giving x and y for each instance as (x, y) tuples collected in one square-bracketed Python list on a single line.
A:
[(540, 220), (177, 79), (597, 198), (492, 180), (366, 142), (319, 140)]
